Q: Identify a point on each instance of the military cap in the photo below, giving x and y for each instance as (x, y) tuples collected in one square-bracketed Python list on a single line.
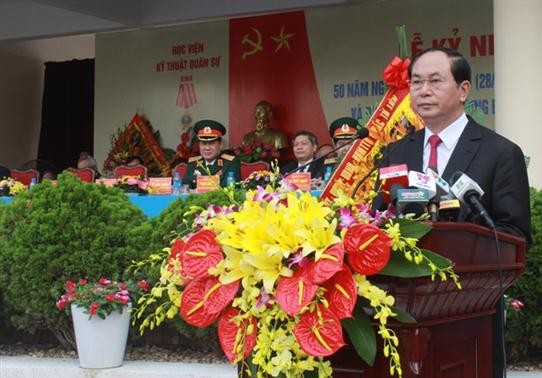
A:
[(343, 128), (208, 130)]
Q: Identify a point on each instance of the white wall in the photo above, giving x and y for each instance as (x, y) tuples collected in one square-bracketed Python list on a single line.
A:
[(21, 87)]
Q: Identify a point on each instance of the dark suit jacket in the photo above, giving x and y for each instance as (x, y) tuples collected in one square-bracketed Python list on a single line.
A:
[(4, 172), (494, 162), (315, 168)]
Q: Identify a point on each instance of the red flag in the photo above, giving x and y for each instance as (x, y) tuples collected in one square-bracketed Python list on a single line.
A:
[(270, 60)]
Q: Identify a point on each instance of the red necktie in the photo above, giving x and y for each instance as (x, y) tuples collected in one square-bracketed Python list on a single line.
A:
[(434, 141)]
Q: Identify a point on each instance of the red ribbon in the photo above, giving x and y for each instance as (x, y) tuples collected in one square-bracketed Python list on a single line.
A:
[(396, 73)]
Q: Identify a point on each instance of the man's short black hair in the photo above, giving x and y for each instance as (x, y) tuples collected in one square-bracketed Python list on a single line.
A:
[(459, 66), (313, 139)]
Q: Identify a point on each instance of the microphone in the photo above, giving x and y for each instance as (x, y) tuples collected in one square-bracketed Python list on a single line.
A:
[(409, 200), (449, 210), (443, 188), (469, 192), (391, 176), (362, 133), (427, 182)]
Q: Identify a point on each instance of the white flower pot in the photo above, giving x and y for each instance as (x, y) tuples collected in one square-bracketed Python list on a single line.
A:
[(101, 342)]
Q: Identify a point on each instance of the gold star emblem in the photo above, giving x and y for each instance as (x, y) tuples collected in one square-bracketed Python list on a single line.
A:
[(282, 39)]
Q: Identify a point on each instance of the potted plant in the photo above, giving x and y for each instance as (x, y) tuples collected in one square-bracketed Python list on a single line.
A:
[(101, 318), (10, 187)]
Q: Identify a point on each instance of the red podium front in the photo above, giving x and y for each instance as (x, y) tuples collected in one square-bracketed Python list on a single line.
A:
[(452, 337)]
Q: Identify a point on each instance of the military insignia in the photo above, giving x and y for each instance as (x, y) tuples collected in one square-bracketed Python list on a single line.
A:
[(194, 158), (228, 157), (332, 160), (220, 163)]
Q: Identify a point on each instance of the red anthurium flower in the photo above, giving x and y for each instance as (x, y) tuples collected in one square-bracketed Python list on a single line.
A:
[(319, 333), (368, 248), (200, 253), (194, 307), (228, 333), (221, 297), (176, 249), (329, 263), (396, 73), (293, 293), (342, 293)]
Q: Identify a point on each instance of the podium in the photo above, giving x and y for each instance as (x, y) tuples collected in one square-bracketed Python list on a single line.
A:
[(452, 337)]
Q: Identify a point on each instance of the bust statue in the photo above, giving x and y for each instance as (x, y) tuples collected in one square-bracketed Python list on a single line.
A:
[(264, 132)]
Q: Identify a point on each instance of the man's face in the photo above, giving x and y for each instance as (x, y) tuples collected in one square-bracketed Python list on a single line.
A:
[(303, 148), (436, 96), (210, 150), (341, 143)]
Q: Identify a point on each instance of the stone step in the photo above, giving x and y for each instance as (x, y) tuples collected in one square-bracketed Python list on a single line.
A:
[(32, 367)]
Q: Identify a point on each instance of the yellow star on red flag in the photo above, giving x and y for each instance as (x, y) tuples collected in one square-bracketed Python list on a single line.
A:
[(282, 39)]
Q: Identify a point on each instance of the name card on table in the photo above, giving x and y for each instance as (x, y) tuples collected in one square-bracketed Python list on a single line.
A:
[(107, 181), (207, 183), (160, 185), (300, 179)]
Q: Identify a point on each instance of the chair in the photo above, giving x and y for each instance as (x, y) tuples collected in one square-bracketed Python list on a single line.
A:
[(25, 176), (135, 170), (180, 168), (83, 174), (248, 168)]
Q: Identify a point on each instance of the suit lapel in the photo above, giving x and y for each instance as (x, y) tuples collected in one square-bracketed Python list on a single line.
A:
[(466, 148), (414, 151)]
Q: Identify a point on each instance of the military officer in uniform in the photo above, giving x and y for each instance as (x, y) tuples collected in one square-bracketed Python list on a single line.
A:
[(342, 131), (211, 160)]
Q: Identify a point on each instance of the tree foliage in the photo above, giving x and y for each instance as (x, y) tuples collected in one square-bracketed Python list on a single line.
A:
[(55, 233)]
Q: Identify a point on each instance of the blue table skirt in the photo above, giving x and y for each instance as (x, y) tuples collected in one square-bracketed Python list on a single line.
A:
[(150, 204)]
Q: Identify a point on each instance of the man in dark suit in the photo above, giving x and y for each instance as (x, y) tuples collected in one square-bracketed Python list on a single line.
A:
[(211, 160), (304, 145), (440, 82), (4, 172)]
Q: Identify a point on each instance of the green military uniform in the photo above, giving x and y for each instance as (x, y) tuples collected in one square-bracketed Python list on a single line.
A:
[(221, 166), (344, 128), (208, 131)]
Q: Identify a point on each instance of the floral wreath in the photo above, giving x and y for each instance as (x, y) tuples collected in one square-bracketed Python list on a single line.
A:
[(283, 274)]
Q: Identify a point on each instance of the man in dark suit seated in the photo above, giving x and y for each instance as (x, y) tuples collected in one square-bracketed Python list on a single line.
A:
[(304, 146), (440, 82), (4, 172), (211, 160)]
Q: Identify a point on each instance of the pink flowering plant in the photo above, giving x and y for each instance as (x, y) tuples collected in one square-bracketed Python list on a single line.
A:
[(100, 298), (133, 184)]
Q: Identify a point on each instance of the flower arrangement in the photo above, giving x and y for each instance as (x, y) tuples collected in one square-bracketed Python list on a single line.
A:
[(257, 151), (262, 179), (133, 184), (99, 298), (11, 187), (282, 274)]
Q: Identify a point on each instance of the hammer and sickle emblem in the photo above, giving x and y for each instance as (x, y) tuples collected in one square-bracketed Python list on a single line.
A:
[(256, 44)]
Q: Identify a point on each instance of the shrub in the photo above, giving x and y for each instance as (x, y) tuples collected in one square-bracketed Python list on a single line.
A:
[(524, 328), (157, 233), (55, 233)]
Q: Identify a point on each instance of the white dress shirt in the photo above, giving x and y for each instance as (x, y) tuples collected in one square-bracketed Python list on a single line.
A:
[(449, 136)]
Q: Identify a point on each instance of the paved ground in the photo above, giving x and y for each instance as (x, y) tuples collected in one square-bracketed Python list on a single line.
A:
[(30, 367)]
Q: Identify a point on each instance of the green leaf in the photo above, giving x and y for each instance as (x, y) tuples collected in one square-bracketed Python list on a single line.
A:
[(399, 266), (403, 316), (412, 229), (362, 335)]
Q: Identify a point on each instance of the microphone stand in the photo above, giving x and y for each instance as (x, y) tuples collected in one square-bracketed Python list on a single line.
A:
[(360, 135)]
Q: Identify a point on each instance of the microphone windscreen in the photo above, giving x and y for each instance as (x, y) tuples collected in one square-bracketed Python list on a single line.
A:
[(363, 133), (449, 210)]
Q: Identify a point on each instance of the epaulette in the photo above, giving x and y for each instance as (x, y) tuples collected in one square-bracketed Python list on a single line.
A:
[(194, 158), (227, 157), (332, 160)]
